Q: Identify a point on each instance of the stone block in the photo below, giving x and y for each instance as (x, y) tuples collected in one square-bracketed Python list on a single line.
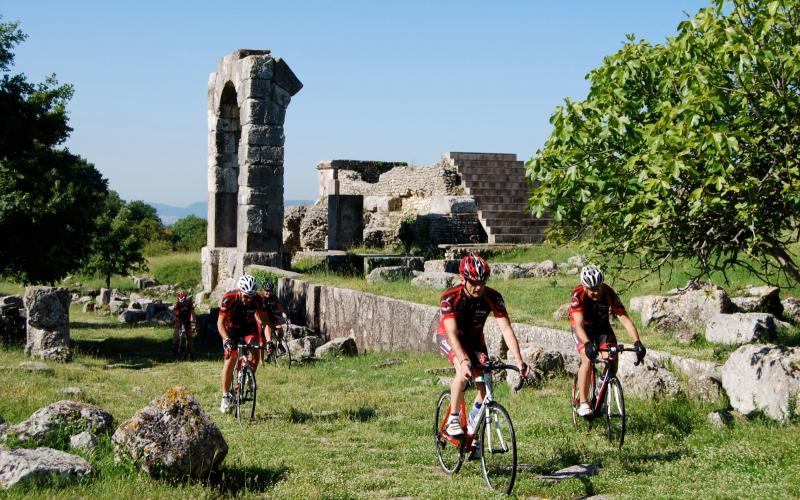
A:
[(47, 307), (261, 155), (255, 88), (49, 343), (280, 96), (740, 328), (391, 273), (258, 66), (374, 261), (437, 280), (446, 205), (224, 180), (442, 266), (40, 466), (263, 135), (381, 203), (285, 77), (266, 176), (345, 221), (261, 112)]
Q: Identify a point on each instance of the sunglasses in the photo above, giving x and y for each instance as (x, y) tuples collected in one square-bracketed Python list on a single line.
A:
[(476, 283)]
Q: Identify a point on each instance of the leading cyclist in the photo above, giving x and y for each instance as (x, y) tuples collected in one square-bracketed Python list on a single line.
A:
[(464, 310), (590, 321), (241, 316), (185, 317)]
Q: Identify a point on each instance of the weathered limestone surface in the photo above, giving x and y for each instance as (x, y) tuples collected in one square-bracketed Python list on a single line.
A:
[(43, 466), (763, 378), (438, 280), (340, 346), (741, 328), (389, 273), (172, 437), (687, 310), (48, 323), (45, 424)]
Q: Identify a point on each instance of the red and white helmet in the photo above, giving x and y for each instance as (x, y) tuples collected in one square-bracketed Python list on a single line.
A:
[(181, 296), (473, 268)]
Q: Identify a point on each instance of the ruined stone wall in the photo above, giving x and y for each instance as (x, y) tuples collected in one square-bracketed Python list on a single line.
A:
[(403, 181)]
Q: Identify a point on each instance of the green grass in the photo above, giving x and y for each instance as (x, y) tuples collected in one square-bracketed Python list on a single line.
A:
[(180, 269), (348, 429)]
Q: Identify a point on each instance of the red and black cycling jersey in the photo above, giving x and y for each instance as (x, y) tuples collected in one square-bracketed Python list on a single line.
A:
[(239, 316), (595, 313), (272, 304), (183, 312), (470, 313)]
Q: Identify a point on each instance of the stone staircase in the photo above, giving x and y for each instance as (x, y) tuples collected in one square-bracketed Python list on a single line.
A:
[(498, 184)]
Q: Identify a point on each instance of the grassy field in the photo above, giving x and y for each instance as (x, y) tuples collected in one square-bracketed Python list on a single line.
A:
[(350, 428)]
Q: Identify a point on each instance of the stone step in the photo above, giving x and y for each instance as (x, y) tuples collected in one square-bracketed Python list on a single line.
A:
[(489, 174), (513, 212), (457, 155), (496, 190), (505, 229), (502, 199), (500, 207), (497, 182), (516, 238), (518, 223), (490, 166)]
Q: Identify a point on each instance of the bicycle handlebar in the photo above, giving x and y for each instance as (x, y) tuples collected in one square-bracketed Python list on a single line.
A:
[(497, 366), (620, 348)]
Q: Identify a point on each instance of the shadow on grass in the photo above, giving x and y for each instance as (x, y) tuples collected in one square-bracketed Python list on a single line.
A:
[(138, 352), (88, 325), (674, 418), (559, 459), (639, 463), (233, 481), (363, 413)]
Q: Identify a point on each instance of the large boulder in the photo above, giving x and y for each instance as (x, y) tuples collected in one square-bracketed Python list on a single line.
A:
[(791, 309), (152, 309), (376, 237), (441, 266), (340, 346), (41, 466), (171, 438), (116, 307), (144, 281), (540, 269), (314, 228), (438, 280), (687, 309), (390, 273), (58, 421), (765, 299), (132, 316), (304, 347), (504, 270), (48, 323), (542, 363), (649, 380), (740, 328), (763, 378)]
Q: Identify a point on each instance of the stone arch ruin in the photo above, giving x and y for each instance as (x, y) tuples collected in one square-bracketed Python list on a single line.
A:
[(247, 100)]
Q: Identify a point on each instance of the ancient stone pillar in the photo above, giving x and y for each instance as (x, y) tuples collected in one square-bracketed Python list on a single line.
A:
[(247, 100), (345, 221), (48, 323)]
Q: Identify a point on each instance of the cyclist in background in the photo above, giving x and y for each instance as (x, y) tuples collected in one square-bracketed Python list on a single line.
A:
[(590, 309), (184, 317), (460, 338), (276, 314), (241, 317)]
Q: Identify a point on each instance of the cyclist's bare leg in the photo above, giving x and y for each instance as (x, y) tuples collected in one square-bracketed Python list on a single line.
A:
[(189, 342), (584, 375), (227, 372)]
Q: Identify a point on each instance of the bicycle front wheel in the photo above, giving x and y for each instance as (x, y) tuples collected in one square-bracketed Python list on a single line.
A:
[(498, 449), (449, 451), (246, 393), (615, 412), (282, 354)]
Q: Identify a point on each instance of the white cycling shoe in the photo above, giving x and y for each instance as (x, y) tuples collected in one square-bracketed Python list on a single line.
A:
[(584, 410), (225, 404), (454, 428)]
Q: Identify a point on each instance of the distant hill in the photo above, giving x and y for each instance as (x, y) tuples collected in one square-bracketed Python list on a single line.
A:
[(169, 214)]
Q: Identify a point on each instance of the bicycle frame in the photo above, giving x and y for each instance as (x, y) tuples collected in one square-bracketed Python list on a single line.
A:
[(597, 399)]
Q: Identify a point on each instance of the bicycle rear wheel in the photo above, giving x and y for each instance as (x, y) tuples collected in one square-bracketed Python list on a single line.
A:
[(498, 449), (615, 412), (449, 453), (282, 354), (575, 400)]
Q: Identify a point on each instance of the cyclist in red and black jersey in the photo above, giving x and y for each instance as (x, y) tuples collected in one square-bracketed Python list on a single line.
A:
[(590, 309), (464, 310), (241, 317), (276, 314), (184, 316)]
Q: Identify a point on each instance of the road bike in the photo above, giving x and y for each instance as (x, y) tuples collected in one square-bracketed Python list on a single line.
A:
[(245, 388), (493, 435), (606, 397), (181, 349), (280, 353)]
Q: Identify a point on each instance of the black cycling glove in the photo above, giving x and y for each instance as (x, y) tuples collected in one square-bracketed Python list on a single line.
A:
[(640, 350), (591, 350)]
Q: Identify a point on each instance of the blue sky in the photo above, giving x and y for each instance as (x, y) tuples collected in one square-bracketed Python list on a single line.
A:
[(400, 81)]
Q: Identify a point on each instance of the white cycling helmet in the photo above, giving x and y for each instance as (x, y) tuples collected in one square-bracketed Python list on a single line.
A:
[(247, 285), (591, 276)]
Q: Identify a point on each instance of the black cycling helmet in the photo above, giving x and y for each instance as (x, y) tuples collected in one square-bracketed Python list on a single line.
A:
[(268, 287)]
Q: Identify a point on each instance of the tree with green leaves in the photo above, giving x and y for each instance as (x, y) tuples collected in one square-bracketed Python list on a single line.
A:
[(189, 233), (686, 150), (47, 194), (116, 247)]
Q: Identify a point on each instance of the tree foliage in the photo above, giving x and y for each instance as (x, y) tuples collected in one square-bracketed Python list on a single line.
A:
[(116, 247), (189, 233), (687, 149), (48, 196)]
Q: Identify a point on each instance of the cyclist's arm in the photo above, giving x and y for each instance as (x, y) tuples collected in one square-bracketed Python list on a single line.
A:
[(511, 339), (628, 324), (461, 361), (577, 324), (223, 330), (261, 320)]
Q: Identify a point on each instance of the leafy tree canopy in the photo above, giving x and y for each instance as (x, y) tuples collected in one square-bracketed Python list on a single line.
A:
[(189, 233), (687, 149), (116, 247), (47, 194)]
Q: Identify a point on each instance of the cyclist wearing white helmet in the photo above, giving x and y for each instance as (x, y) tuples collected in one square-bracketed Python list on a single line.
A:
[(591, 305), (241, 316)]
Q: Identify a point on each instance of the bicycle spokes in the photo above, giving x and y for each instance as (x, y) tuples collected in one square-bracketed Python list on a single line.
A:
[(498, 449)]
